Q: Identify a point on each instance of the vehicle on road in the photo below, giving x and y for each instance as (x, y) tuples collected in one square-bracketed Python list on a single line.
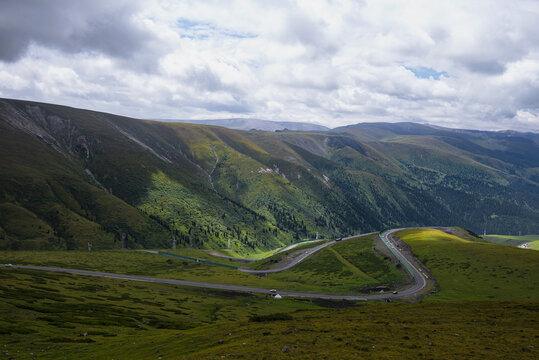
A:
[(273, 291), (395, 292), (339, 239)]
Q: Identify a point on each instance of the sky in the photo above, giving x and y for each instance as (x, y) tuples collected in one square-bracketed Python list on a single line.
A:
[(460, 64)]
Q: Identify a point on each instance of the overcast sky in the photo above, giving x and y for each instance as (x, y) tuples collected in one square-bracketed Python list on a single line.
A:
[(468, 64)]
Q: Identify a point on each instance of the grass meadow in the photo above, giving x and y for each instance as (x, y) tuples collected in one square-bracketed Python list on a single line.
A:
[(59, 316)]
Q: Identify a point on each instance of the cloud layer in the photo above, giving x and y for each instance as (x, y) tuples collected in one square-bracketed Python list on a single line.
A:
[(456, 64)]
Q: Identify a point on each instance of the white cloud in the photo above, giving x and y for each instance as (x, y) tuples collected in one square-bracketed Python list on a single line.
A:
[(335, 62)]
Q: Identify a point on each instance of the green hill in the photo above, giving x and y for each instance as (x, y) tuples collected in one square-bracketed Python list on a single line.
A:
[(72, 176), (468, 268)]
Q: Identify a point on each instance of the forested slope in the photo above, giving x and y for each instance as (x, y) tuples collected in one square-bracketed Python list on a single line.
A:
[(72, 176)]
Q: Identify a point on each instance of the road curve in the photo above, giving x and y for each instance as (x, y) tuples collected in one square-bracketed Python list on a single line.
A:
[(419, 280), (418, 283), (299, 259)]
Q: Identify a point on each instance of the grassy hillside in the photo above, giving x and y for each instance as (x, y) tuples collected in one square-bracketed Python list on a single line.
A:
[(473, 269), (72, 176), (166, 192), (49, 202)]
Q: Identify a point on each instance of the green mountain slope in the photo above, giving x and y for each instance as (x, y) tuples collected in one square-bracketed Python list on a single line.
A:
[(72, 176)]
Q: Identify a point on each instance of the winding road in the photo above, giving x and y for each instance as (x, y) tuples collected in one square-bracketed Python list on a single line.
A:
[(305, 254), (419, 279)]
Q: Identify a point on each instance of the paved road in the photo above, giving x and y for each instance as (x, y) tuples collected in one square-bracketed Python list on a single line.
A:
[(419, 279)]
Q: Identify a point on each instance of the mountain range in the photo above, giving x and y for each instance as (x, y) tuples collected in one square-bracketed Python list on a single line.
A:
[(255, 124), (70, 177)]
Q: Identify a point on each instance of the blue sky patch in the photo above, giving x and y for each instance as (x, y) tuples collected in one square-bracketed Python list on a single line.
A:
[(190, 24), (239, 35), (202, 30), (425, 72)]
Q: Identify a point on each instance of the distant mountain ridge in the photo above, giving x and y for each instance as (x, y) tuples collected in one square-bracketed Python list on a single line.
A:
[(255, 124), (69, 177)]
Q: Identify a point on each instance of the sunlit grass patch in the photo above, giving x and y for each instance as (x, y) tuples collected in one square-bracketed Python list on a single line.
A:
[(430, 235)]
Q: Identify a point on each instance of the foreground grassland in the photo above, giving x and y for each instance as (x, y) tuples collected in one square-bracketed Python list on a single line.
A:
[(475, 270), (454, 330), (531, 240), (59, 316), (43, 312)]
